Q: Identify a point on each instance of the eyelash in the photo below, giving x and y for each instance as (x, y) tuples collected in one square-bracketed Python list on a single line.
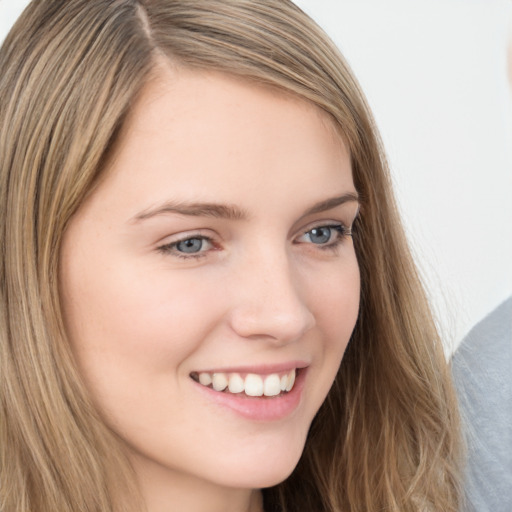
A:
[(341, 232), (172, 247)]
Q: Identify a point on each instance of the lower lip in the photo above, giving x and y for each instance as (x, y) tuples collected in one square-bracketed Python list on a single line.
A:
[(259, 408)]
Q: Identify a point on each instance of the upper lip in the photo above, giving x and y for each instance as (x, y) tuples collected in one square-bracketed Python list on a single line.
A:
[(264, 369)]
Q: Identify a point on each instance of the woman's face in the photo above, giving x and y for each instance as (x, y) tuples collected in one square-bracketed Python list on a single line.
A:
[(215, 252)]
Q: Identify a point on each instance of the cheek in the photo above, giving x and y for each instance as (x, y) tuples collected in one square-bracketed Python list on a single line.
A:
[(336, 305), (334, 300), (336, 317), (129, 320)]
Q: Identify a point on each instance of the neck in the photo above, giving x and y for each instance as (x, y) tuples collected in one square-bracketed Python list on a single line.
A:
[(164, 490)]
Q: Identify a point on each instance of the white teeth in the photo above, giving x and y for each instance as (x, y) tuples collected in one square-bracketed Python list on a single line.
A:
[(219, 381), (236, 383), (291, 380), (272, 385), (205, 379), (284, 382), (253, 384)]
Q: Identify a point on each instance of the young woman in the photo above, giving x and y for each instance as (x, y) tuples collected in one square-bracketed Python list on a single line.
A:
[(208, 303)]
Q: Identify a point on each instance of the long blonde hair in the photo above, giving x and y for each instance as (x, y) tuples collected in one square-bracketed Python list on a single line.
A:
[(387, 436)]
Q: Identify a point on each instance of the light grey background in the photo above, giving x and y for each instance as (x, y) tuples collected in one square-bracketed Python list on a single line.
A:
[(435, 75)]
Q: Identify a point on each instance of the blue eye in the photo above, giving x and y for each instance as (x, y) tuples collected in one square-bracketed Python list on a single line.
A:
[(325, 236), (320, 235), (191, 247)]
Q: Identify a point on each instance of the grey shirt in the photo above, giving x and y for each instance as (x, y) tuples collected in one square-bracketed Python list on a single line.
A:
[(482, 369)]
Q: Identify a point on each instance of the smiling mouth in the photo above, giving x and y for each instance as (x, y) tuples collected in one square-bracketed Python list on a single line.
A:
[(251, 384)]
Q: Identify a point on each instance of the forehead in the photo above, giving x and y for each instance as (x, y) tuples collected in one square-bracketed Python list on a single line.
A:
[(214, 133), (192, 94)]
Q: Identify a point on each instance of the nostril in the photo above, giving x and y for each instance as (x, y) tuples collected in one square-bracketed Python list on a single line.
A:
[(275, 323), (268, 302)]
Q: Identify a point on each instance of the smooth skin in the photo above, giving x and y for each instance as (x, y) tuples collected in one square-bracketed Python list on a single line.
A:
[(199, 250)]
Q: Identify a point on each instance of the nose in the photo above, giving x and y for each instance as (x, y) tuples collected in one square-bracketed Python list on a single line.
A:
[(269, 303)]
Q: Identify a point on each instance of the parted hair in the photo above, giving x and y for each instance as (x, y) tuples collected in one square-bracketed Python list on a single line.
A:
[(387, 436)]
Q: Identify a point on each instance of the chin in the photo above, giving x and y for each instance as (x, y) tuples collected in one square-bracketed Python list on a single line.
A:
[(263, 472)]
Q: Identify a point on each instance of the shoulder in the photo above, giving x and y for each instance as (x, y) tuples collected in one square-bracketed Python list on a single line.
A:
[(482, 369)]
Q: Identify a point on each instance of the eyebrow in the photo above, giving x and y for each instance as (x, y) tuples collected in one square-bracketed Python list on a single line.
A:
[(331, 203), (229, 211), (215, 210)]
